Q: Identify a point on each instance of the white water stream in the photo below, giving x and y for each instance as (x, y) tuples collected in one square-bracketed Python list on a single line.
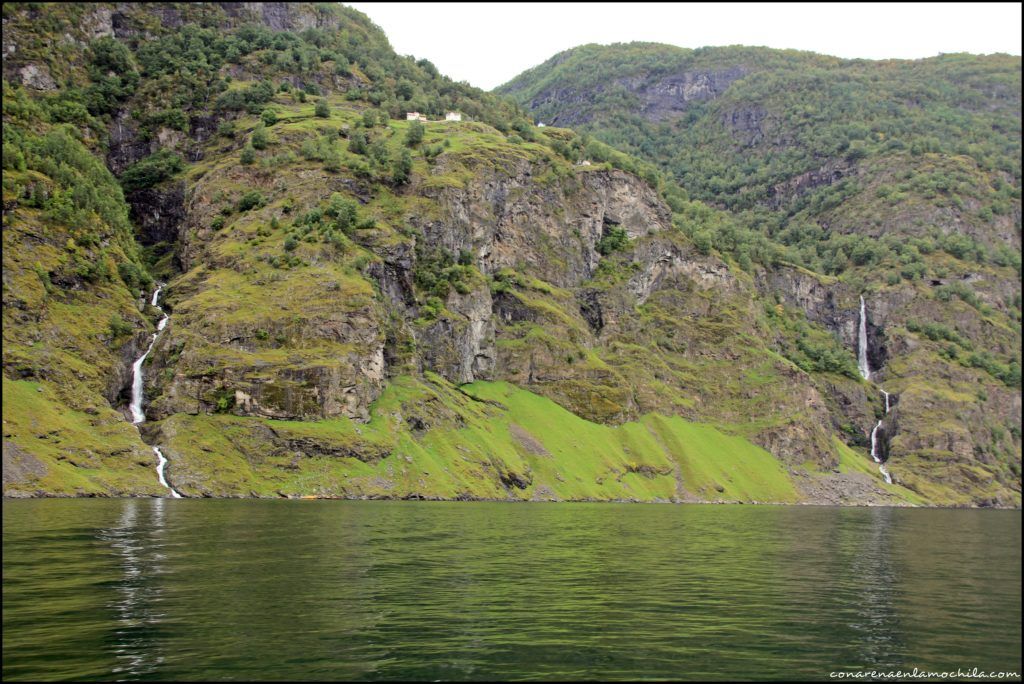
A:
[(882, 466), (862, 342), (865, 371), (138, 416)]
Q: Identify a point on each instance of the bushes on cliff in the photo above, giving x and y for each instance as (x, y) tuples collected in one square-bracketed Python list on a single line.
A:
[(260, 138), (118, 327), (248, 155), (437, 273), (252, 98), (251, 200), (614, 240), (414, 136), (344, 211), (112, 74), (268, 116), (154, 169), (134, 277), (401, 168)]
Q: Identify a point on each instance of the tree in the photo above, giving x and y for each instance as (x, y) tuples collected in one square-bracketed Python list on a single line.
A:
[(616, 239), (357, 143), (332, 159), (379, 152), (260, 138), (344, 211), (402, 168), (154, 169), (269, 116), (248, 155), (415, 135), (251, 200), (323, 110)]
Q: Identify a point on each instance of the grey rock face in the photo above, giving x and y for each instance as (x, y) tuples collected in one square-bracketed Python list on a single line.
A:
[(279, 16), (461, 347), (126, 144), (747, 124), (37, 77), (99, 23), (783, 193), (671, 96), (659, 98), (158, 212), (510, 220)]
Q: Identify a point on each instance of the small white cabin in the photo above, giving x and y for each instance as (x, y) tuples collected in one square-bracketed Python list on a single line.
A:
[(453, 116), (415, 116), (541, 124)]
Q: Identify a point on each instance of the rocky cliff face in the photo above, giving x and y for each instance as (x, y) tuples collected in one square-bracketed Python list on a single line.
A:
[(505, 218), (667, 97), (508, 219), (942, 412), (659, 97)]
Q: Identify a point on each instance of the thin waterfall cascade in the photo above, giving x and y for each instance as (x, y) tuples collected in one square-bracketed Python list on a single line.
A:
[(865, 370), (161, 463), (874, 441), (862, 342), (138, 415)]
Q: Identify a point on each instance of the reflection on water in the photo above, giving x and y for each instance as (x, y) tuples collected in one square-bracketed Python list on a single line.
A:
[(138, 545), (871, 568), (172, 589)]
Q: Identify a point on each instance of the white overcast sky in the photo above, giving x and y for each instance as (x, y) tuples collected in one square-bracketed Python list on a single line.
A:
[(488, 44)]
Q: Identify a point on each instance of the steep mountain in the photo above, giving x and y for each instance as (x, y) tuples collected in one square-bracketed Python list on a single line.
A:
[(895, 180), (366, 306)]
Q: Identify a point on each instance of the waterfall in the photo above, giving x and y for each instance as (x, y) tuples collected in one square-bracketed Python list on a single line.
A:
[(865, 371), (161, 462), (136, 406), (138, 416), (862, 342), (874, 442)]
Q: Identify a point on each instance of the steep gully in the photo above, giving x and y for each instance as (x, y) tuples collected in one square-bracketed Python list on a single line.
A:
[(865, 371), (138, 416)]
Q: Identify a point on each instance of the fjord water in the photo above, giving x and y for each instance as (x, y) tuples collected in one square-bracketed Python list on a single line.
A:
[(167, 589)]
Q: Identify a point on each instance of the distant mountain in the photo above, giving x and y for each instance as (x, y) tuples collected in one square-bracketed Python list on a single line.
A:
[(789, 136)]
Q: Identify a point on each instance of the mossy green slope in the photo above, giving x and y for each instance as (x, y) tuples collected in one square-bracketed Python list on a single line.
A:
[(485, 440), (71, 275)]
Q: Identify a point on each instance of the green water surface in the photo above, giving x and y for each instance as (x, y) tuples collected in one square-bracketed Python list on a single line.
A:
[(246, 589)]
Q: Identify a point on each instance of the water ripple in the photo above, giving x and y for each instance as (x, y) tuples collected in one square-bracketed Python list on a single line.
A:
[(286, 590)]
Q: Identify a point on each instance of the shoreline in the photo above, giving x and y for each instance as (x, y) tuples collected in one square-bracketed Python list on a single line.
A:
[(7, 497)]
